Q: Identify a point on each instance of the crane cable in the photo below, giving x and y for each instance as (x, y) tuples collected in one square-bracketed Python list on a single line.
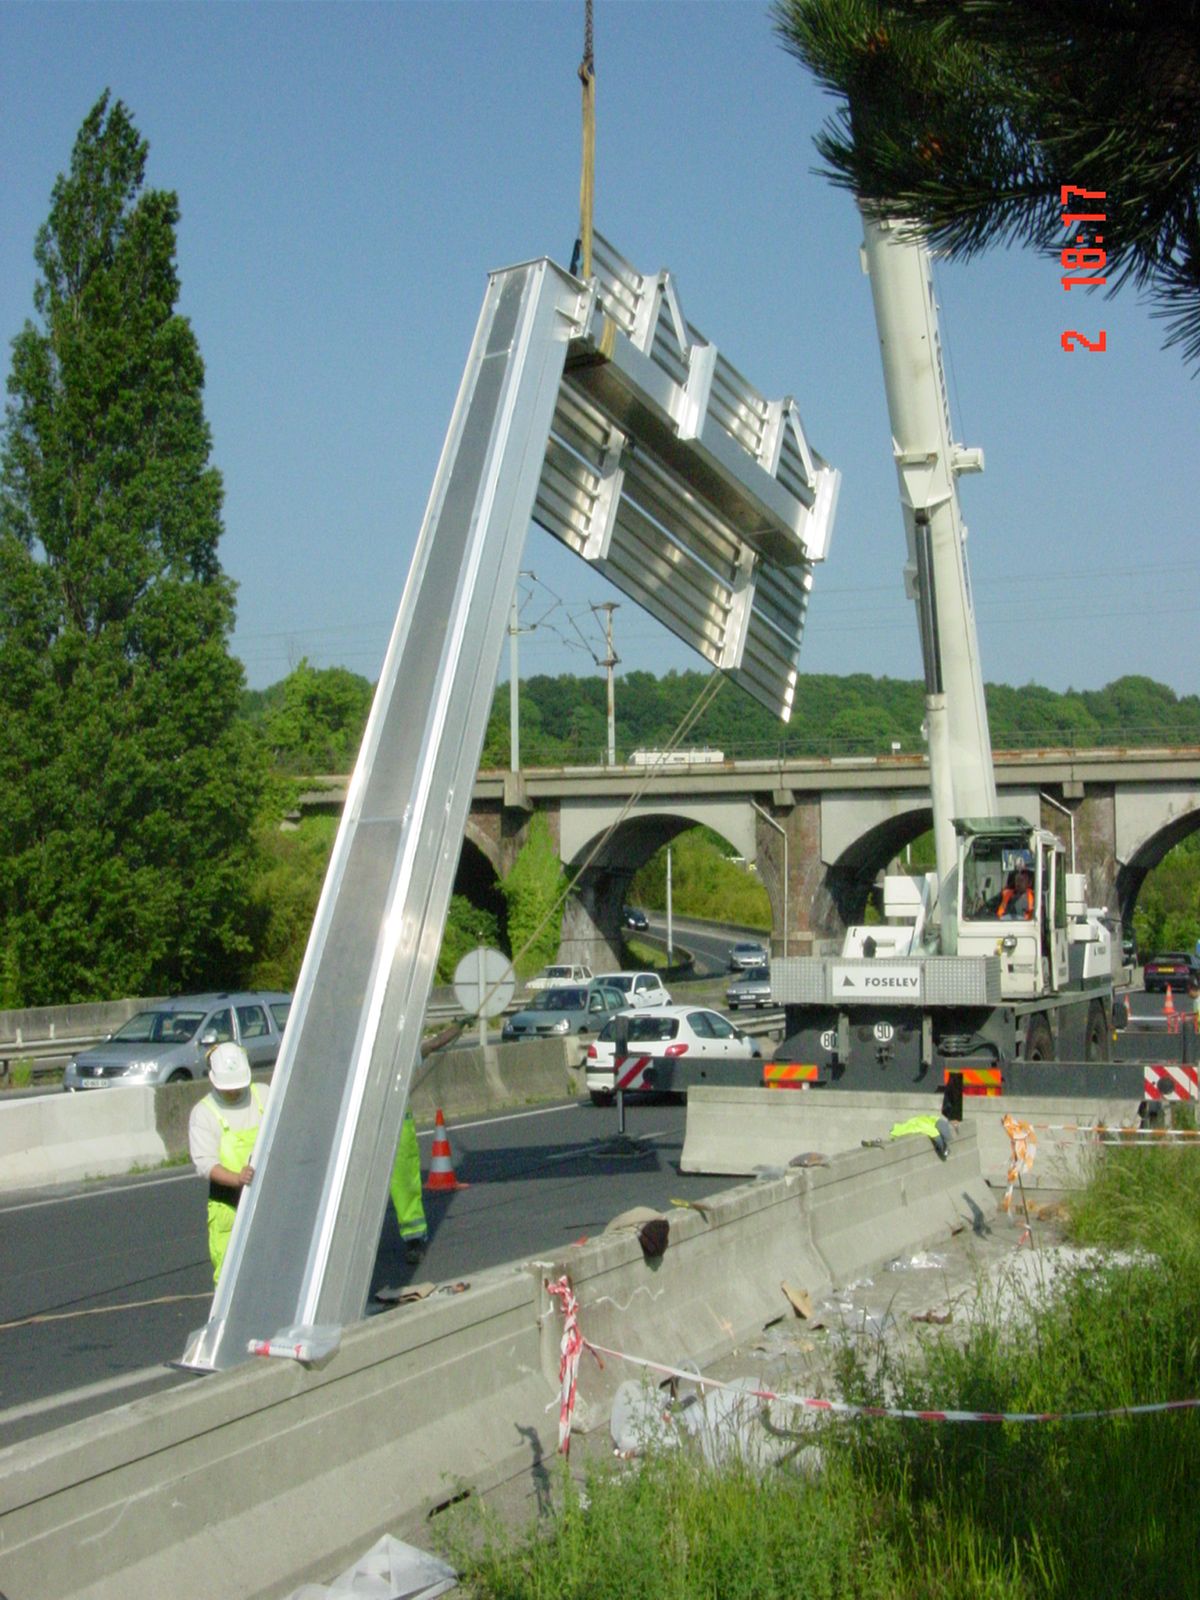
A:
[(587, 177)]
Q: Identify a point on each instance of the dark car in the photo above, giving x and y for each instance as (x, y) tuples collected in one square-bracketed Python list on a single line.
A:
[(1173, 969), (635, 919)]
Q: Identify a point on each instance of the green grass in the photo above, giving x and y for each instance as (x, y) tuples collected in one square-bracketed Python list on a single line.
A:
[(922, 1510), (20, 1074)]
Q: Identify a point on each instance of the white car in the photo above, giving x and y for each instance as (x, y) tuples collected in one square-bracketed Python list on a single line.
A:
[(640, 989), (662, 1031), (554, 976)]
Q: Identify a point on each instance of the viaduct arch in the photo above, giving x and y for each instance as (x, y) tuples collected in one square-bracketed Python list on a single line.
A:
[(819, 832)]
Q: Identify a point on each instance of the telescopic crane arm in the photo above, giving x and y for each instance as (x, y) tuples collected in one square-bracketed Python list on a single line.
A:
[(928, 463)]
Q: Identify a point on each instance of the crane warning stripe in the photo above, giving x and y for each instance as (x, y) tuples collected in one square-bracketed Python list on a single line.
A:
[(987, 1081), (789, 1074)]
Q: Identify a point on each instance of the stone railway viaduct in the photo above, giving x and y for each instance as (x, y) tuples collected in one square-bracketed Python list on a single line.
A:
[(819, 831)]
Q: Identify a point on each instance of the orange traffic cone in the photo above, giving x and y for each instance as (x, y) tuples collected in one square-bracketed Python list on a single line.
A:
[(441, 1165), (1170, 1013)]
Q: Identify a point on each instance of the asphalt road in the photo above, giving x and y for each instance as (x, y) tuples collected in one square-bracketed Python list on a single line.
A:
[(116, 1274)]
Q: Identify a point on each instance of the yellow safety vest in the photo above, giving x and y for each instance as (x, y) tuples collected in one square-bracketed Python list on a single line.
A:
[(235, 1149)]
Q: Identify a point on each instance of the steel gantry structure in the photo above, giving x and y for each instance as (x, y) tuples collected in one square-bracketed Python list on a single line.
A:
[(595, 409)]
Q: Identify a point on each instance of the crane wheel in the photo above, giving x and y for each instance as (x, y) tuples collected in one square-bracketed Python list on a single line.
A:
[(1039, 1041)]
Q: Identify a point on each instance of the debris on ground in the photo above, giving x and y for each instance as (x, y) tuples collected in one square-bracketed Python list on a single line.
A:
[(799, 1299), (652, 1228), (390, 1570)]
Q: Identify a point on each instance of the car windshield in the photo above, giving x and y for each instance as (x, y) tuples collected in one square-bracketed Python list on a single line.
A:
[(643, 1028), (756, 975), (159, 1027), (567, 999), (558, 972)]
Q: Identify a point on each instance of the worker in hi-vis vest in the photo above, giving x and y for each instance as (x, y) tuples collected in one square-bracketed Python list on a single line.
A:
[(221, 1133), (405, 1189)]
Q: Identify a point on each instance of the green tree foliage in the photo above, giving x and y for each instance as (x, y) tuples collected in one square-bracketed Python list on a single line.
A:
[(467, 927), (969, 118), (130, 789), (282, 898), (562, 718), (313, 720), (1167, 916), (530, 891), (705, 882)]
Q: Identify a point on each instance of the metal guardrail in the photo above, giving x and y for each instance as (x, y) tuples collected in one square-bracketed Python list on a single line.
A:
[(46, 1056)]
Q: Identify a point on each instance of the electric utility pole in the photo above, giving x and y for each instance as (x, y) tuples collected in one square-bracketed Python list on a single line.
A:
[(514, 682), (610, 661)]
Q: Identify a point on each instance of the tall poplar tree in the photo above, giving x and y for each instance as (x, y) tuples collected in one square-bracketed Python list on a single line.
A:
[(129, 788)]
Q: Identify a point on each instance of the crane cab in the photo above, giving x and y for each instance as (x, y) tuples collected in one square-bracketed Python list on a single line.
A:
[(1012, 902)]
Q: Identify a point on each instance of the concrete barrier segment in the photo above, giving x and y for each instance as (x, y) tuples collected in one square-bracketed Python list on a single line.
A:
[(60, 1138), (731, 1131), (717, 1283), (284, 1475), (279, 1474), (869, 1206)]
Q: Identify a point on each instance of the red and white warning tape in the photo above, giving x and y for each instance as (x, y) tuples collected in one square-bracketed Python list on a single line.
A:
[(570, 1351), (840, 1408), (1024, 1148)]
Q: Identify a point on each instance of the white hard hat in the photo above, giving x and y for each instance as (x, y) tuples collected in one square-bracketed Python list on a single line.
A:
[(229, 1067)]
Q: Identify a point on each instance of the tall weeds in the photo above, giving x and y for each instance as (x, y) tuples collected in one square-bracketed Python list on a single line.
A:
[(973, 1511)]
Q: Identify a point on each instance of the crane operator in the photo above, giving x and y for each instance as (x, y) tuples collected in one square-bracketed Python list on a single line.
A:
[(1017, 898)]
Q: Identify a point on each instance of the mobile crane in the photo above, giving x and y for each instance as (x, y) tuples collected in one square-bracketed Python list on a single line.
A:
[(960, 969)]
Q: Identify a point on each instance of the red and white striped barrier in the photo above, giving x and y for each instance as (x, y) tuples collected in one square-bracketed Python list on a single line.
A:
[(1171, 1082), (629, 1069)]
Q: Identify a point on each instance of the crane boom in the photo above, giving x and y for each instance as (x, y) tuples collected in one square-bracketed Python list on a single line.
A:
[(928, 463)]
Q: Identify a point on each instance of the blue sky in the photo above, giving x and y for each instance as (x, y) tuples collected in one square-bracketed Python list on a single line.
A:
[(348, 174)]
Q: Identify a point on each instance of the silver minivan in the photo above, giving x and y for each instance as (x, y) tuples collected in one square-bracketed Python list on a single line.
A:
[(169, 1040)]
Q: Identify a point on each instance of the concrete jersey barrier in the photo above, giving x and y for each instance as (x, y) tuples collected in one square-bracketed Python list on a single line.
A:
[(282, 1474), (734, 1132), (61, 1138)]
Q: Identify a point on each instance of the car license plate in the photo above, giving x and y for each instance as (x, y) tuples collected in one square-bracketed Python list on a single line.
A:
[(92, 1083)]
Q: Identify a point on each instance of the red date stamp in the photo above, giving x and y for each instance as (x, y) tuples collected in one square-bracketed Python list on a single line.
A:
[(1079, 257)]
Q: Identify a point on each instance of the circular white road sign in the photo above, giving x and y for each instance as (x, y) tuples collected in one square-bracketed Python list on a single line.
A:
[(483, 982)]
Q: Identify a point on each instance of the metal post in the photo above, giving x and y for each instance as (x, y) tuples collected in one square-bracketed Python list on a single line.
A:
[(481, 981), (514, 689), (670, 942), (610, 661)]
